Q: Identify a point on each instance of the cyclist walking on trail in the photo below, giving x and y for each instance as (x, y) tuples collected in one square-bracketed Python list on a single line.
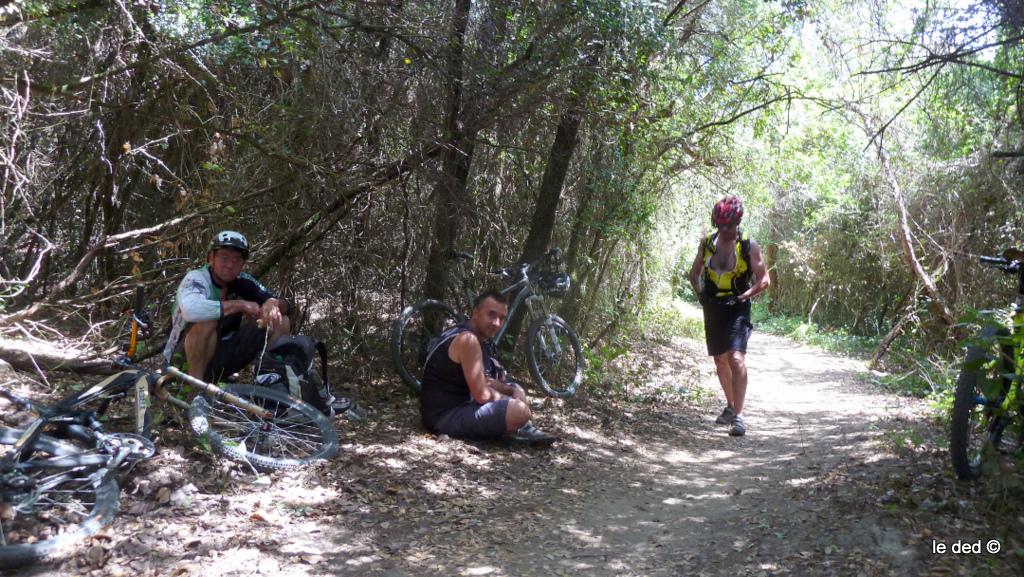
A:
[(214, 309), (727, 272), (465, 393)]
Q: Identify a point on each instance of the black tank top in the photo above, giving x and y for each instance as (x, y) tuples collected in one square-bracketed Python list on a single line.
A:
[(444, 384)]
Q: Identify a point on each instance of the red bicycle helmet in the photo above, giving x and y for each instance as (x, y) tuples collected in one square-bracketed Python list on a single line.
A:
[(727, 211)]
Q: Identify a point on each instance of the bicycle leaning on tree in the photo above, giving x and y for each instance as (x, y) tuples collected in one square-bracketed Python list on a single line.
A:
[(988, 409), (553, 352), (59, 475)]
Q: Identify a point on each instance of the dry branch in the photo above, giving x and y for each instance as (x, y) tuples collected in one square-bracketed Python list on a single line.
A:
[(938, 303)]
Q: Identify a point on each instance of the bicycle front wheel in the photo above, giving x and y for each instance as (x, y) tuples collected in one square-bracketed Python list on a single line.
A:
[(982, 425), (554, 356), (55, 496), (295, 436), (415, 330)]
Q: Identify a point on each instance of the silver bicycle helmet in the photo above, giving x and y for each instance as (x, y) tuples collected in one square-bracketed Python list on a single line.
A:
[(231, 239)]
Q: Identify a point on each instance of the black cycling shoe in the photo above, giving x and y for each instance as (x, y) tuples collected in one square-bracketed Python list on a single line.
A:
[(726, 417), (531, 435)]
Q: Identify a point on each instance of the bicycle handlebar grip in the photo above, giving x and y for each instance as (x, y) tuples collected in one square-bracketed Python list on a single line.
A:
[(1014, 254)]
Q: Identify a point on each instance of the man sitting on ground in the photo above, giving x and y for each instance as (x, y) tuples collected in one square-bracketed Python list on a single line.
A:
[(463, 393), (214, 310)]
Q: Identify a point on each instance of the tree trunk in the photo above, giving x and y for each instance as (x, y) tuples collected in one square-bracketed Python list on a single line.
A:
[(451, 202), (33, 356), (542, 224), (538, 241)]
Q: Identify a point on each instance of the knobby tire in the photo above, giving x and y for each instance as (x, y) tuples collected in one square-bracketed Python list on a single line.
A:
[(976, 435), (556, 367), (412, 335)]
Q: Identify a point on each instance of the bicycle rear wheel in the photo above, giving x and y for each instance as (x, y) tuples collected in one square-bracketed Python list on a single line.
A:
[(297, 435), (554, 356), (55, 496), (982, 425), (414, 331)]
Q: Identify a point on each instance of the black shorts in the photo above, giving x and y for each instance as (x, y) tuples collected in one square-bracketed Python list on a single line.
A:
[(472, 420), (238, 345), (727, 327)]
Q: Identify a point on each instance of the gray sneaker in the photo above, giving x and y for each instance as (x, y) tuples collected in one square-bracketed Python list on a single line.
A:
[(739, 428), (726, 417), (531, 435)]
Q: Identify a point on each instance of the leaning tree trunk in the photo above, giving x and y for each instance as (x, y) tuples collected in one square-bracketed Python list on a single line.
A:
[(938, 304), (543, 222), (542, 225)]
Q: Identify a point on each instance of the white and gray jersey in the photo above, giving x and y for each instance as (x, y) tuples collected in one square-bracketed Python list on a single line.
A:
[(199, 299)]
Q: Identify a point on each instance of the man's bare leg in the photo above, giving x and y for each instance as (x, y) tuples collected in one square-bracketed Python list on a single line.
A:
[(723, 369), (738, 368), (517, 414), (200, 344)]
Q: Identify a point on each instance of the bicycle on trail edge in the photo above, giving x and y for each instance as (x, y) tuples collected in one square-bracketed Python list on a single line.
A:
[(988, 409), (59, 475), (554, 355)]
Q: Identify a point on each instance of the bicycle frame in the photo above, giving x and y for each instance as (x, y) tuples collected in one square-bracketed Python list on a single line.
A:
[(1010, 263), (521, 288), (83, 425)]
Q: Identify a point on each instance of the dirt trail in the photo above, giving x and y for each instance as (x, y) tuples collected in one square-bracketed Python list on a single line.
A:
[(632, 489), (695, 501)]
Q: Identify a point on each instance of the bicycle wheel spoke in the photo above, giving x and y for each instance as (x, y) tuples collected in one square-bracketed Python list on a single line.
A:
[(554, 356), (290, 435)]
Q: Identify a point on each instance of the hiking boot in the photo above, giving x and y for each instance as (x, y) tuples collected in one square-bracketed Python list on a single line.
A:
[(726, 417), (531, 435), (739, 428)]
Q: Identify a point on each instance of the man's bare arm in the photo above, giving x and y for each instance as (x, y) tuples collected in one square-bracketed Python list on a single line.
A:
[(465, 350)]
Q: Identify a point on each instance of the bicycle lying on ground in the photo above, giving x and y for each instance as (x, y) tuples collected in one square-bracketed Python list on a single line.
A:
[(553, 352), (58, 476), (988, 410)]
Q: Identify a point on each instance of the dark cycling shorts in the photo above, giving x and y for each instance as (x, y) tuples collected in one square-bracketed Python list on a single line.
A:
[(236, 349), (473, 420), (727, 327)]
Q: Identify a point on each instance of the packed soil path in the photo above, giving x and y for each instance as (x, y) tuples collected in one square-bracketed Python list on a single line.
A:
[(687, 499), (644, 487)]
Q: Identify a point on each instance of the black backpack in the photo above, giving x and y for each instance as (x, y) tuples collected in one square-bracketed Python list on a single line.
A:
[(287, 366)]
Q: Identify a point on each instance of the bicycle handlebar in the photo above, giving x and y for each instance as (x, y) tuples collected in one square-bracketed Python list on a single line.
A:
[(1006, 265), (1009, 263)]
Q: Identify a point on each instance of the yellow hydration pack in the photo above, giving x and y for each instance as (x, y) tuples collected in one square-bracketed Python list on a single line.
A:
[(729, 283)]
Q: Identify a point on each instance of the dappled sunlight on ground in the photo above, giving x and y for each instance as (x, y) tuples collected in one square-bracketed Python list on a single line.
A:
[(647, 485)]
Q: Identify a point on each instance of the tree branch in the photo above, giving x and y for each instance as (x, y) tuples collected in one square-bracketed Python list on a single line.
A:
[(63, 89)]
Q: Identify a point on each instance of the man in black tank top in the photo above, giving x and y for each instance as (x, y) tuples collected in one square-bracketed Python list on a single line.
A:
[(463, 395)]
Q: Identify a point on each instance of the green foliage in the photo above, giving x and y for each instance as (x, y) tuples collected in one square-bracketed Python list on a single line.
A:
[(838, 340), (666, 318), (931, 377), (599, 360), (904, 441)]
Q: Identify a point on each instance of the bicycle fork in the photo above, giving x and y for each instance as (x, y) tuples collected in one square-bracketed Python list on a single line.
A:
[(550, 344)]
